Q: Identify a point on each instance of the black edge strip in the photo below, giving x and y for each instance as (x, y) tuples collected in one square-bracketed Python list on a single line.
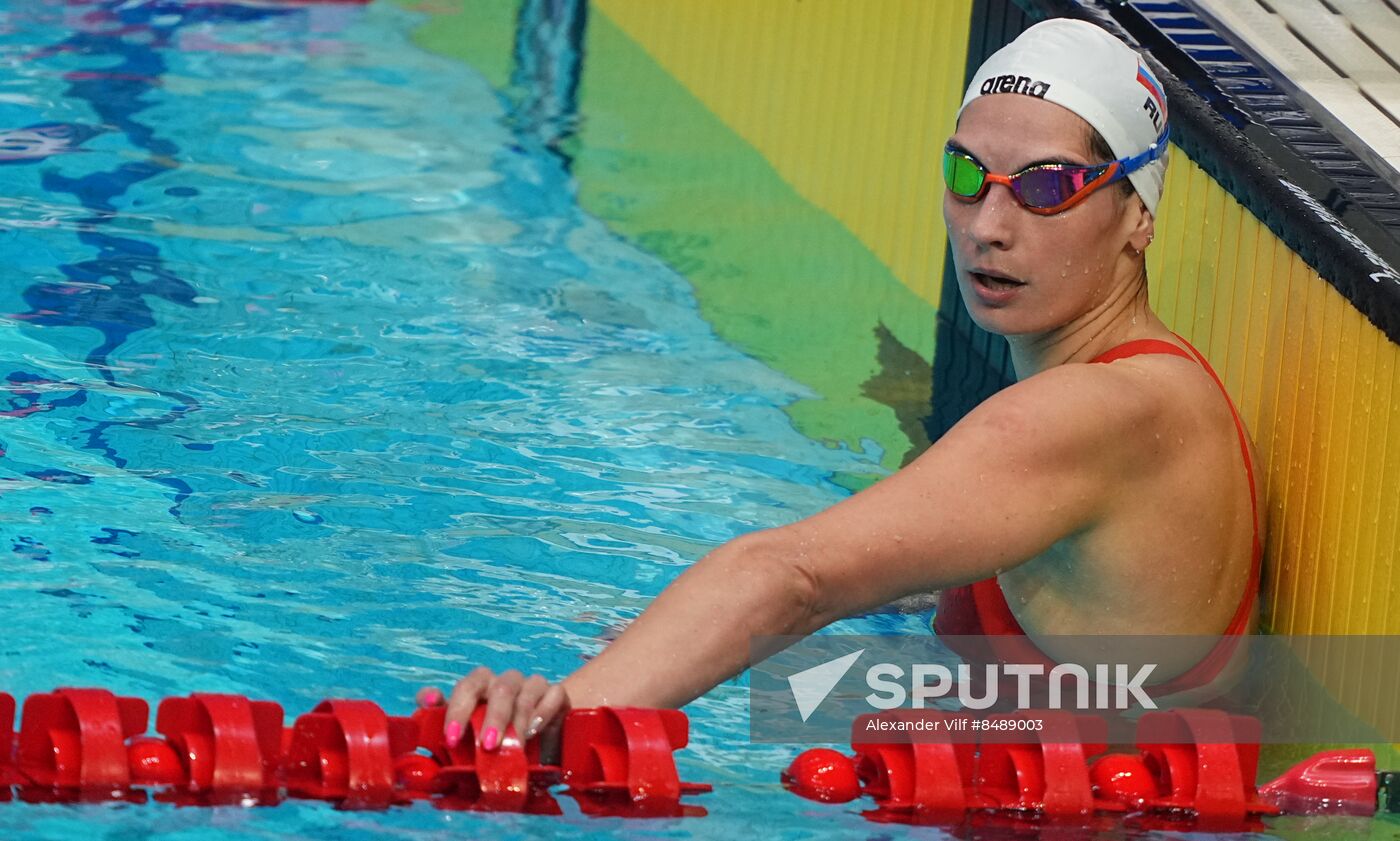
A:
[(1348, 249)]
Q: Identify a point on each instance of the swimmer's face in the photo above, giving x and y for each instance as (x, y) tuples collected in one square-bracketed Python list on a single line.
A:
[(1021, 273)]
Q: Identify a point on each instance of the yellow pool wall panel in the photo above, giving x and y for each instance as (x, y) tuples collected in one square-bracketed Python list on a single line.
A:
[(849, 100), (1316, 383)]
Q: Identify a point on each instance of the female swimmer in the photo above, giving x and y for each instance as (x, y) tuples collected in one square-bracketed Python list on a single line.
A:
[(1109, 498)]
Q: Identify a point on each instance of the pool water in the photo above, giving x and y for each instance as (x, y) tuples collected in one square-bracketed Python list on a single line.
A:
[(319, 384)]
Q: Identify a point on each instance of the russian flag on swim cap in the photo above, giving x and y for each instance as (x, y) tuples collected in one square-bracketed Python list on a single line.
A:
[(1147, 80)]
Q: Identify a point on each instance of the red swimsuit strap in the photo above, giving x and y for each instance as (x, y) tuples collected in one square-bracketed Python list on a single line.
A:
[(1141, 347), (1152, 346), (1214, 661), (1241, 620)]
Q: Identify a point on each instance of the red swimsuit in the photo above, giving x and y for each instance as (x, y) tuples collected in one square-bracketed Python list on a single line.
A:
[(980, 608)]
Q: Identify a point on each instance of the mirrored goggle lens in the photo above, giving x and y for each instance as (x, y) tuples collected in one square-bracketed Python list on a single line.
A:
[(1052, 186), (962, 175)]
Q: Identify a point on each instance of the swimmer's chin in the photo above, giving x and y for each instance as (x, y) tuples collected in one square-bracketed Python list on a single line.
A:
[(1003, 332), (994, 320)]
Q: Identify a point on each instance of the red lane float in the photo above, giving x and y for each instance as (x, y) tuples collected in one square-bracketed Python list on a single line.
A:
[(78, 745), (9, 775), (1204, 763), (1195, 769), (229, 748), (915, 781), (622, 756), (75, 740), (1334, 782), (510, 778)]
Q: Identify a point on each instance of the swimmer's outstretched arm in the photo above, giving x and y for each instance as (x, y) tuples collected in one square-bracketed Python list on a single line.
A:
[(1037, 462)]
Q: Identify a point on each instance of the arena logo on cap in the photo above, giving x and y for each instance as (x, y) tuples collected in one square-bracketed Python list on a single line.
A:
[(1011, 83)]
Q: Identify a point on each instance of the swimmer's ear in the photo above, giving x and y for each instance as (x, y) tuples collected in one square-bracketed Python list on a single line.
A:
[(1141, 225)]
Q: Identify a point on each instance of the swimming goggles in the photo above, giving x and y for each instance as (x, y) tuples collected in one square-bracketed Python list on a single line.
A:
[(1044, 189)]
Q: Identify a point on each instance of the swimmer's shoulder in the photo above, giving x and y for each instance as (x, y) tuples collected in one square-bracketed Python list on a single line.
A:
[(1114, 415)]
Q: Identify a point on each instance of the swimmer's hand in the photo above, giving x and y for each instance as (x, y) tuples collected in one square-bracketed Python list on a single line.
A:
[(532, 705)]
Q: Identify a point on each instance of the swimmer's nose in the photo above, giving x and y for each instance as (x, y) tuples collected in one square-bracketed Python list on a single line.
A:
[(990, 222)]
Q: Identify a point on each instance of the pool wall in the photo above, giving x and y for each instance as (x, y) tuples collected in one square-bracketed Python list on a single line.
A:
[(781, 156)]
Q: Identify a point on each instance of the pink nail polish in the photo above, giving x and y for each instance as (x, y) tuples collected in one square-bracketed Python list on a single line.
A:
[(453, 733), (489, 737), (432, 698)]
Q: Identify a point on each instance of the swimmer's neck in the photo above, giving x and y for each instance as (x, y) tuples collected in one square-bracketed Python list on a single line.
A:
[(1122, 317)]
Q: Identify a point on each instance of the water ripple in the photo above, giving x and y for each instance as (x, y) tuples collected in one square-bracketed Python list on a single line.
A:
[(317, 387)]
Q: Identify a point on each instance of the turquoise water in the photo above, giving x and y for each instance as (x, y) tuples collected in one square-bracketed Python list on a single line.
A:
[(320, 384)]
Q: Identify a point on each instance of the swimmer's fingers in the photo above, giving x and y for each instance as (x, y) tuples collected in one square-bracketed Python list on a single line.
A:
[(465, 696), (429, 697), (538, 704), (532, 706), (502, 698), (551, 709), (551, 712)]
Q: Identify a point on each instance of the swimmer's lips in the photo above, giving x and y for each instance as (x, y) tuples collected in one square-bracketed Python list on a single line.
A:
[(994, 295), (978, 275)]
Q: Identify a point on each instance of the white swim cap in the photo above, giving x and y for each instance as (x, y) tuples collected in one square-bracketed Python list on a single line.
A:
[(1079, 66)]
